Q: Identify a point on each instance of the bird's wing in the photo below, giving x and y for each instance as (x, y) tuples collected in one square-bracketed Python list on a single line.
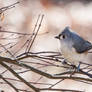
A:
[(82, 47), (80, 44)]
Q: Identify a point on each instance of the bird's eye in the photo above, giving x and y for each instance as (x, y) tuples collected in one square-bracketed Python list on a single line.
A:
[(63, 36)]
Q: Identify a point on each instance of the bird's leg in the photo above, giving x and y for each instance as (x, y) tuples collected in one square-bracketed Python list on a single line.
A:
[(75, 69), (78, 68), (67, 63), (64, 61)]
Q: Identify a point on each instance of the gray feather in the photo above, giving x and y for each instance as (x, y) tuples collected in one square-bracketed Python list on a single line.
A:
[(80, 44)]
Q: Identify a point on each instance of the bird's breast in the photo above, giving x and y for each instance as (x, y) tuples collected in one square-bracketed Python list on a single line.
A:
[(70, 54)]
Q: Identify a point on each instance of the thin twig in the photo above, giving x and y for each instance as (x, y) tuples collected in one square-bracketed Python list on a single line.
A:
[(19, 77), (9, 83), (53, 89), (56, 83), (9, 52), (35, 34), (7, 7), (42, 73), (29, 82), (14, 32)]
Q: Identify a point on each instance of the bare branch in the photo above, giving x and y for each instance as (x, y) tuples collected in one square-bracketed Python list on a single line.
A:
[(30, 39), (15, 74), (9, 83), (7, 7), (36, 33), (53, 89)]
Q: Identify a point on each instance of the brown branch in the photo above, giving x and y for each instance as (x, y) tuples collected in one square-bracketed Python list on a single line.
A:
[(18, 33), (9, 83), (36, 33), (30, 39), (19, 77), (55, 83), (51, 76), (53, 89), (7, 7), (8, 60), (9, 52), (80, 70), (29, 82)]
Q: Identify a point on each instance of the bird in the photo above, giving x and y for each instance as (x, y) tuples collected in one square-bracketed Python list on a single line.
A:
[(73, 47)]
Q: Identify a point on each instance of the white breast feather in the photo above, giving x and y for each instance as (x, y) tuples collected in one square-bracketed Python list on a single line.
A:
[(70, 54)]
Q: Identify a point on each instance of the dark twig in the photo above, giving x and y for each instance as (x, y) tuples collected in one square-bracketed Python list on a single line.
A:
[(53, 89), (56, 83), (19, 77), (1, 31), (8, 60), (29, 82), (8, 52), (83, 72), (9, 83), (7, 7), (35, 34)]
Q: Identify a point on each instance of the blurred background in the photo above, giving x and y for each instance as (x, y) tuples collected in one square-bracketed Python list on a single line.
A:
[(57, 15)]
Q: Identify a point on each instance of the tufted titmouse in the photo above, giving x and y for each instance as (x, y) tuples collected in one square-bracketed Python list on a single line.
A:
[(73, 47)]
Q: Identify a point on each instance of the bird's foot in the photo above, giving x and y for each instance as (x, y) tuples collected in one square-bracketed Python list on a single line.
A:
[(78, 68), (64, 61)]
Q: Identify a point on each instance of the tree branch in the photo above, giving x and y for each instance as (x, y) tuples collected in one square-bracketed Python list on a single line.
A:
[(19, 77), (9, 83)]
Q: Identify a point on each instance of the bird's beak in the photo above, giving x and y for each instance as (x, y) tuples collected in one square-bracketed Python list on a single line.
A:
[(57, 37)]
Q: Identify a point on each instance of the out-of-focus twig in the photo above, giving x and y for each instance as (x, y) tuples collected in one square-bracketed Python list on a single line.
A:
[(9, 52), (18, 33), (31, 37), (19, 77), (56, 83), (35, 33), (9, 83), (3, 9)]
